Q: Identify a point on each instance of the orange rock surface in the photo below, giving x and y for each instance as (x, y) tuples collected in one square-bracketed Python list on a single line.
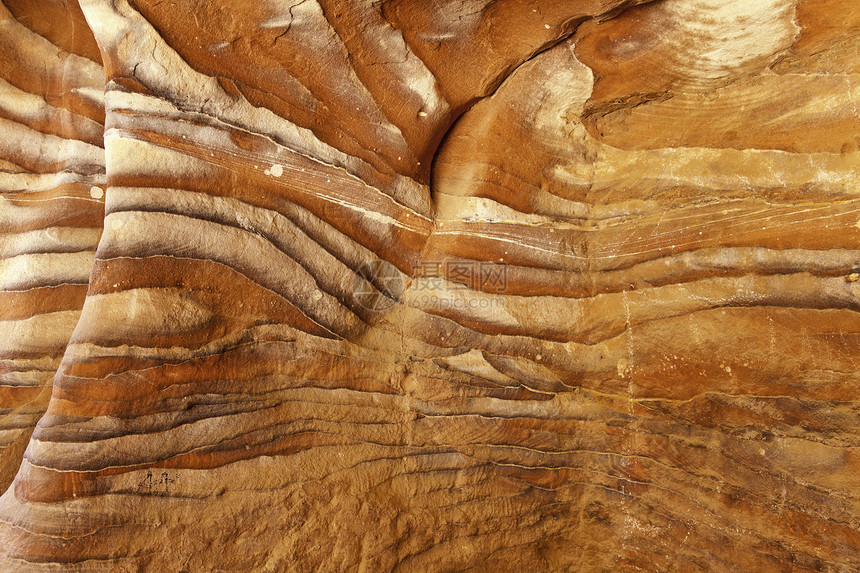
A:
[(465, 285)]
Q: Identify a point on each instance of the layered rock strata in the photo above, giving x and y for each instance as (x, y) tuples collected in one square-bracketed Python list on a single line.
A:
[(455, 286), (52, 182)]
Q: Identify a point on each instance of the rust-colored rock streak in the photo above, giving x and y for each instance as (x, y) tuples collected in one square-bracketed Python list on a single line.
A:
[(432, 286), (52, 182)]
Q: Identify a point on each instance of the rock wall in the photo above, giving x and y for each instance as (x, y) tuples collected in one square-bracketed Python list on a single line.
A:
[(466, 285), (52, 182)]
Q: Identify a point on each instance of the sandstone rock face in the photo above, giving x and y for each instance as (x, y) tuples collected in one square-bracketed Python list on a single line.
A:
[(52, 181), (465, 285)]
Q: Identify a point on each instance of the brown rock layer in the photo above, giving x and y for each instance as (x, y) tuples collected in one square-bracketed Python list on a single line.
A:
[(464, 286), (52, 181)]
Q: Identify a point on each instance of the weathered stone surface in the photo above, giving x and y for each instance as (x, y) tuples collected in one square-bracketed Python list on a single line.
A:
[(52, 182), (455, 286)]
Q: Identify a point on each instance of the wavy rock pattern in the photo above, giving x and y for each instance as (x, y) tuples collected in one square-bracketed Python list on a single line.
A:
[(52, 181), (453, 286)]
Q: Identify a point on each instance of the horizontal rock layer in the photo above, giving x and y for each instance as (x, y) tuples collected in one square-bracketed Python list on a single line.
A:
[(470, 286), (52, 182)]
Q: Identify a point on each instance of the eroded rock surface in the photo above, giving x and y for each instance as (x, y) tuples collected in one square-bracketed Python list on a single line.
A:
[(451, 286), (52, 182)]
